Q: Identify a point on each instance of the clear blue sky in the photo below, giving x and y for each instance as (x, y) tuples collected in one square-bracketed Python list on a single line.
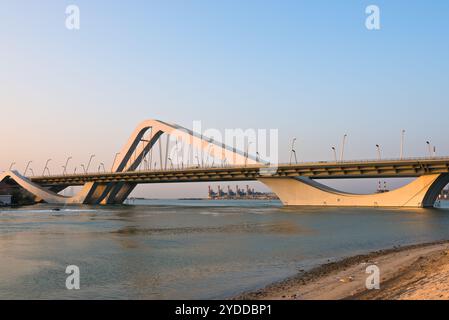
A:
[(309, 68)]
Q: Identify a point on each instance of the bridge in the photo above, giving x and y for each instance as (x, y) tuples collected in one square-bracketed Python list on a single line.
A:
[(295, 184)]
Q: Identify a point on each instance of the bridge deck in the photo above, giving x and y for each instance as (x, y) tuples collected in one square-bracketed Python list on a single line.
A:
[(316, 170)]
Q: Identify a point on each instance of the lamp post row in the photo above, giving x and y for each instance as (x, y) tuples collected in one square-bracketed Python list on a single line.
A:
[(431, 150)]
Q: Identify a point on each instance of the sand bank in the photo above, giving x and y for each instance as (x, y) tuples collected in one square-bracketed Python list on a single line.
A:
[(411, 272)]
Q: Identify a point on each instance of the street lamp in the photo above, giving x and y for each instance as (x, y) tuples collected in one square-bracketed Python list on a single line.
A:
[(32, 172), (177, 152), (247, 152), (208, 154), (143, 153), (46, 167), (171, 163), (335, 154), (102, 165), (26, 169), (65, 166), (12, 165), (430, 148), (198, 161), (88, 164), (115, 159), (84, 168), (343, 147), (378, 152), (402, 144), (293, 152)]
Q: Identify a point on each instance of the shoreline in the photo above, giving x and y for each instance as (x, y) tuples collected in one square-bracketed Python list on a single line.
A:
[(417, 271)]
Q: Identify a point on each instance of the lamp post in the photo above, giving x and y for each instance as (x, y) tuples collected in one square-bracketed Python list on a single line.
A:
[(171, 163), (65, 166), (101, 165), (11, 166), (335, 153), (401, 156), (293, 152), (88, 164), (84, 168), (143, 152), (46, 167), (430, 148), (247, 152), (177, 152), (26, 169), (208, 153), (379, 156), (198, 161), (115, 159), (343, 147), (32, 172)]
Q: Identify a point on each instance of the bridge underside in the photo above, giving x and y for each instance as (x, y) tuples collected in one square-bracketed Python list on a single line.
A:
[(302, 191)]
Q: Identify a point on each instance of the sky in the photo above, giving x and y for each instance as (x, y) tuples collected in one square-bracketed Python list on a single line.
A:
[(310, 69)]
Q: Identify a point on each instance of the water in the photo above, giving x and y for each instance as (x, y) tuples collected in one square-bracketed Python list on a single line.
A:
[(189, 249)]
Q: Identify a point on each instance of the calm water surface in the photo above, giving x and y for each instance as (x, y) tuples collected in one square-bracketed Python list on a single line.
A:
[(189, 249)]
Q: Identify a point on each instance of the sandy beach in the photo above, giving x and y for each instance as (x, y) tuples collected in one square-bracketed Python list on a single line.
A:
[(406, 273)]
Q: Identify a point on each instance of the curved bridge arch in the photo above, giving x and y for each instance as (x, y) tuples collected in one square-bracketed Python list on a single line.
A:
[(116, 193), (192, 138), (301, 191)]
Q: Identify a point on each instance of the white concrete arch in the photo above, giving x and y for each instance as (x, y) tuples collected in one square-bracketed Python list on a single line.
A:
[(39, 192), (118, 192), (188, 136), (302, 191), (113, 193)]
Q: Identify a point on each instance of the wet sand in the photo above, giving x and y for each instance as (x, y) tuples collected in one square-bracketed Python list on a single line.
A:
[(409, 272)]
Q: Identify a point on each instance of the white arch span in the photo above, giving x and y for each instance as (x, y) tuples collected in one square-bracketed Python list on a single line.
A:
[(302, 191), (112, 193)]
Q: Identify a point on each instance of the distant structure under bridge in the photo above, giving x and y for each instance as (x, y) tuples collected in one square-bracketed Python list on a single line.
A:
[(240, 194)]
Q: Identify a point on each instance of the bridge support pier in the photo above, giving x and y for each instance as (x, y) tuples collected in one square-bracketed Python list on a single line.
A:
[(301, 191), (119, 193)]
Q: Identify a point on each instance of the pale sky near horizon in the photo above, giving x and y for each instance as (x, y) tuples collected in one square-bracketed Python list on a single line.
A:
[(310, 69)]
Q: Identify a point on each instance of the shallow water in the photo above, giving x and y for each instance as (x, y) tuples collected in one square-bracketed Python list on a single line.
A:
[(180, 249)]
